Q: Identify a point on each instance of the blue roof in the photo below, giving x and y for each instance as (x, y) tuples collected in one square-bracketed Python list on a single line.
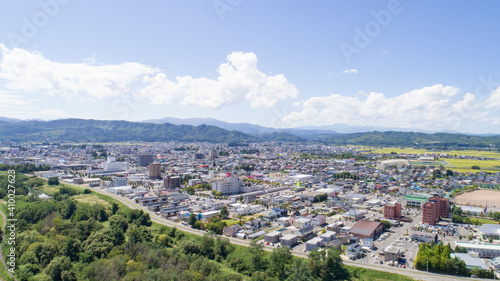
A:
[(275, 209), (470, 261)]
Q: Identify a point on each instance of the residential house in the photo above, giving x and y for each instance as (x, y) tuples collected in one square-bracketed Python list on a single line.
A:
[(316, 242), (231, 230), (273, 237), (289, 240), (353, 251)]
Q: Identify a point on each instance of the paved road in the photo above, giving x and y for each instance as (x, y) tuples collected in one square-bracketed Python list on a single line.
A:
[(415, 274), (1, 255)]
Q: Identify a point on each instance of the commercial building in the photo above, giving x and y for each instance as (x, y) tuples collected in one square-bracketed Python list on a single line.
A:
[(119, 182), (366, 229), (124, 150), (145, 159), (155, 171), (392, 211), (415, 200), (489, 231), (485, 250), (435, 209), (424, 236)]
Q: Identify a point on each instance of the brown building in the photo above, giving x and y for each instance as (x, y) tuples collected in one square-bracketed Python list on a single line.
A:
[(435, 209), (170, 182), (392, 211), (366, 229), (154, 171)]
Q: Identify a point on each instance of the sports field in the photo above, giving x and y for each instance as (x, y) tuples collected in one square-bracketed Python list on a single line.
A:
[(479, 198)]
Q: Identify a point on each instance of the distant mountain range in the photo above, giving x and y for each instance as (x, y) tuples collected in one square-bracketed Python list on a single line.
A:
[(303, 131), (80, 130)]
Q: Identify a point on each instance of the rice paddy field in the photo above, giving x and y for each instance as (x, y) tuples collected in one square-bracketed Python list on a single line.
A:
[(458, 165), (465, 165), (407, 150)]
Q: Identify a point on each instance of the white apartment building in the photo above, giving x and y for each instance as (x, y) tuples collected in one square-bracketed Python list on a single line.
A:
[(230, 185)]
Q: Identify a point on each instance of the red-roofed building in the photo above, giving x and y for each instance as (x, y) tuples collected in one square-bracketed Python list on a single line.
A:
[(366, 229)]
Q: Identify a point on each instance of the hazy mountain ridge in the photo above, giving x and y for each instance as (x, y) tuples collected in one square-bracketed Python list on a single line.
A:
[(81, 130)]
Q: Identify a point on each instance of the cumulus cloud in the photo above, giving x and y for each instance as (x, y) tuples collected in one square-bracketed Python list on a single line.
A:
[(31, 72), (239, 80), (434, 107), (350, 71)]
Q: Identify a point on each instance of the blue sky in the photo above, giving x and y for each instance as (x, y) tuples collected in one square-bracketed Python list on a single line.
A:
[(426, 65)]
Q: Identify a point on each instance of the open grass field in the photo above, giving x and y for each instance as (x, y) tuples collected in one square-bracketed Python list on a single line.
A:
[(486, 221), (479, 198), (91, 199), (231, 221)]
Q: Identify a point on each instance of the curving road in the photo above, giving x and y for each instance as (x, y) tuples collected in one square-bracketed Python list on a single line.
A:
[(415, 274)]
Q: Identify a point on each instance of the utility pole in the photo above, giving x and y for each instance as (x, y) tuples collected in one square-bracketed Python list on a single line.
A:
[(427, 264)]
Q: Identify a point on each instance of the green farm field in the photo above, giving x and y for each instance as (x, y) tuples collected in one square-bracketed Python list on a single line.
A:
[(465, 165), (399, 150)]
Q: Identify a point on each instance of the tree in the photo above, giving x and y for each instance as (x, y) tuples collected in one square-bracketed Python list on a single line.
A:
[(114, 208), (257, 253), (118, 221), (299, 272), (386, 224), (73, 247), (139, 234), (279, 262), (53, 181), (57, 266), (223, 212), (192, 219)]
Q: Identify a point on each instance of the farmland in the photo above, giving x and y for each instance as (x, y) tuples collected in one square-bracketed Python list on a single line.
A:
[(465, 165)]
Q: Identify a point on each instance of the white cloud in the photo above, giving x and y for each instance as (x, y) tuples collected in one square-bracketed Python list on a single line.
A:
[(350, 71), (239, 80), (493, 100), (430, 108), (9, 100), (31, 72)]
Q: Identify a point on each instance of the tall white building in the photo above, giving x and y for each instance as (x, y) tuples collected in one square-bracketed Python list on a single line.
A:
[(229, 185)]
